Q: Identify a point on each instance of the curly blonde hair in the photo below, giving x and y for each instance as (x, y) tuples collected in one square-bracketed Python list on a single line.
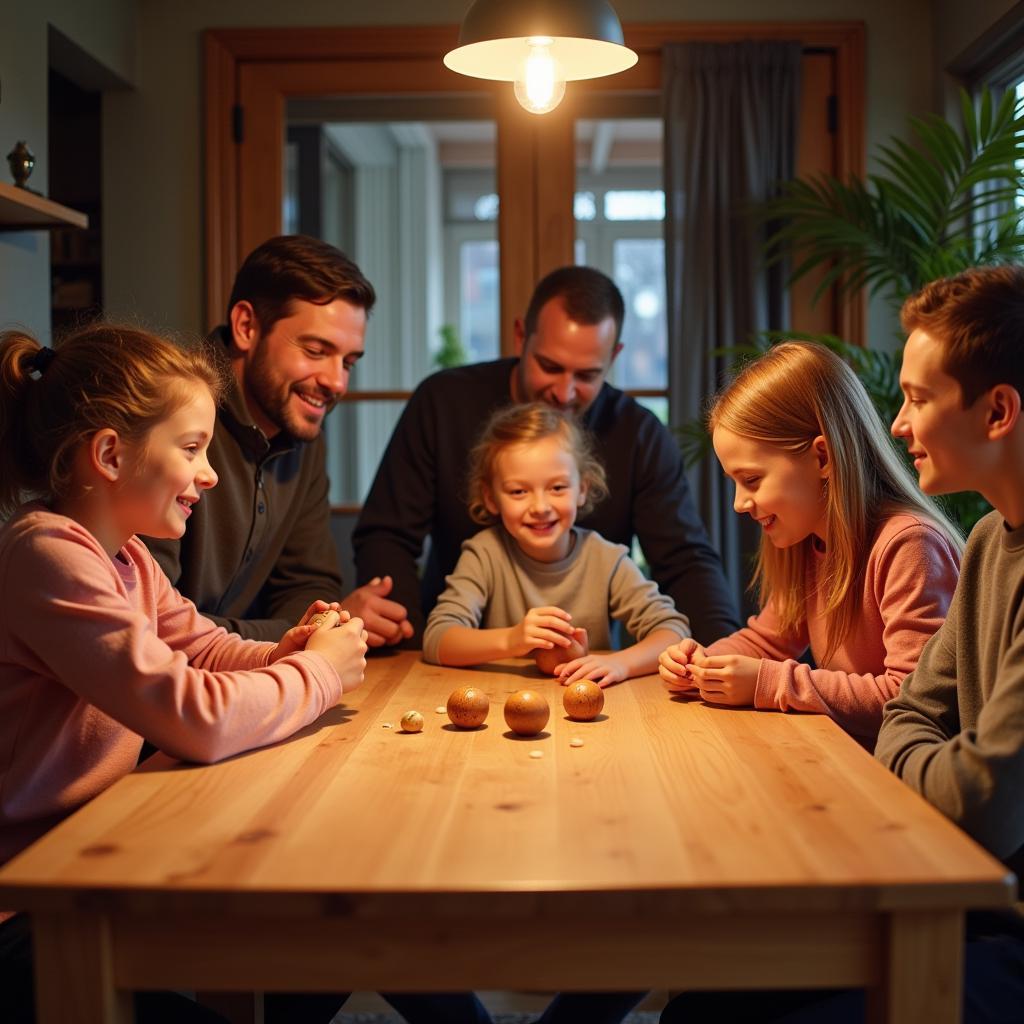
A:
[(521, 424)]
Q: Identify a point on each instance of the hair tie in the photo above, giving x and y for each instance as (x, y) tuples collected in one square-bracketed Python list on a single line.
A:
[(42, 359)]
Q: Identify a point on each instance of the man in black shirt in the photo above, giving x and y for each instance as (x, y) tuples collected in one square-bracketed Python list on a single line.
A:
[(566, 345)]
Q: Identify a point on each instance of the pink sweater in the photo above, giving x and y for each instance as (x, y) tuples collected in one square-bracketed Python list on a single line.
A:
[(96, 654), (911, 574)]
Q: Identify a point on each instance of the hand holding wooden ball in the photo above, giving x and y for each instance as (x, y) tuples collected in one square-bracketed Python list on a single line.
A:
[(526, 712), (583, 700), (468, 707), (548, 659)]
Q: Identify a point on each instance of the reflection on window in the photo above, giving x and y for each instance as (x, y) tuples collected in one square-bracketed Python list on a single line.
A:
[(486, 207), (639, 271), (479, 299), (584, 206), (634, 204)]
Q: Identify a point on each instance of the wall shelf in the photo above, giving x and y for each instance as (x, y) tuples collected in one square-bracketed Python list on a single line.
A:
[(21, 210)]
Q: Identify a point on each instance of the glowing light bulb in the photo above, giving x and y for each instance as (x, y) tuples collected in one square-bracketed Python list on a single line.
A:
[(540, 82)]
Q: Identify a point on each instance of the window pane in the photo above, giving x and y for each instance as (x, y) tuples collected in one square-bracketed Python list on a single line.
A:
[(640, 274), (633, 204), (619, 164), (479, 316), (414, 203)]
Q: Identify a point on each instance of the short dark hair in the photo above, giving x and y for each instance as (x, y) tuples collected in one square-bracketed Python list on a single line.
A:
[(297, 267), (589, 297), (978, 318)]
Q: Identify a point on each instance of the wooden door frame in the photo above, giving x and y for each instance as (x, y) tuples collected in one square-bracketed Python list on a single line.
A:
[(538, 223)]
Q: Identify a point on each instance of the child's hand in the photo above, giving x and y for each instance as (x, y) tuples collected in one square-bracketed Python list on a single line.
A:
[(726, 678), (674, 665), (603, 669), (296, 637), (344, 646), (550, 661), (541, 627)]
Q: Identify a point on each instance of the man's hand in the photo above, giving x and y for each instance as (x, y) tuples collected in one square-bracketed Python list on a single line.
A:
[(386, 621)]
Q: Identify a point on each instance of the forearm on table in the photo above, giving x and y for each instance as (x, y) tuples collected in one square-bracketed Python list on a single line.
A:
[(642, 658), (464, 645)]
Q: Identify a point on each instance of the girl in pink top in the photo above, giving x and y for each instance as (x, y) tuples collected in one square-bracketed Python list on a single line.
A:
[(854, 562), (109, 434)]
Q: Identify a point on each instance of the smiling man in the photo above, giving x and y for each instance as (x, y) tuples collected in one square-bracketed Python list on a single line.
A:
[(258, 548), (565, 347)]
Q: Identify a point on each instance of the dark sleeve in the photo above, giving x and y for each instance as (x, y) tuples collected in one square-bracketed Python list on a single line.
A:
[(399, 511), (674, 541), (306, 569)]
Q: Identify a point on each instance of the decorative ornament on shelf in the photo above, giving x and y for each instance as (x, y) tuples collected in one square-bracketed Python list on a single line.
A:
[(540, 45), (21, 162)]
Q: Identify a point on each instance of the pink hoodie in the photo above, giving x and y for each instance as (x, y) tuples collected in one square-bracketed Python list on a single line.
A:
[(911, 574), (98, 653)]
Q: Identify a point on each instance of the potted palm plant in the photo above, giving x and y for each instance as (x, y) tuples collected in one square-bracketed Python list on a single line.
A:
[(948, 200)]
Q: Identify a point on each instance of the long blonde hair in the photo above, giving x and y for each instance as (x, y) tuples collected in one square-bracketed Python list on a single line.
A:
[(521, 424), (786, 398)]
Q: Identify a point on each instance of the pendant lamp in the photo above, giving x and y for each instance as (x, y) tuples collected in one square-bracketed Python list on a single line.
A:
[(540, 45)]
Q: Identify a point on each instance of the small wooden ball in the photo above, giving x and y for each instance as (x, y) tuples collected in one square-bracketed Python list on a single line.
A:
[(412, 721), (583, 701), (468, 707), (526, 712), (549, 658)]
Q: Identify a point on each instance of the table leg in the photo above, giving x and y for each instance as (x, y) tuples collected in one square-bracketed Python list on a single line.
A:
[(922, 969), (74, 968)]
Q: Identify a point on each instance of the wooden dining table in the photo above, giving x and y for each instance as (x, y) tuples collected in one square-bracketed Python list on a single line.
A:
[(675, 845)]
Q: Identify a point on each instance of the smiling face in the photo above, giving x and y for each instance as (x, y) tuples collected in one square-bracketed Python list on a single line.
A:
[(293, 375), (563, 363), (784, 493), (168, 470), (536, 492), (943, 438)]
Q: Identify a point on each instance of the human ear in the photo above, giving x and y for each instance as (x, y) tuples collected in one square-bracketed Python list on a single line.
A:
[(1003, 411), (245, 328), (820, 449), (489, 503), (582, 499), (518, 336), (107, 454)]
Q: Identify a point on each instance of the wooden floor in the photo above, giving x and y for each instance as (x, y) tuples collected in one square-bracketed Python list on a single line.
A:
[(496, 1003)]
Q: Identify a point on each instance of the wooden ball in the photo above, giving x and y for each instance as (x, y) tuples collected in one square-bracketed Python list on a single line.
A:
[(583, 701), (412, 721), (548, 659), (526, 712), (468, 707)]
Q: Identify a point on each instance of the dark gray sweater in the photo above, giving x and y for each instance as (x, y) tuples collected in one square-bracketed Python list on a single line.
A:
[(955, 732)]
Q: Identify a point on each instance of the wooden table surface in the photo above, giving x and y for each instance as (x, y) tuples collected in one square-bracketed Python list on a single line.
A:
[(682, 845)]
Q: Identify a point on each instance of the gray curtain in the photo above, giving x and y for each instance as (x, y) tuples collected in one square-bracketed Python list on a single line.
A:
[(731, 115)]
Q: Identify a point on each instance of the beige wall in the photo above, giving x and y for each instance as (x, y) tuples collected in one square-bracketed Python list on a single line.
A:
[(104, 32), (959, 22)]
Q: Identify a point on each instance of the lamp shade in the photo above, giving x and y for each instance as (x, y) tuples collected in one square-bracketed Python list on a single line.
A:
[(584, 36)]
